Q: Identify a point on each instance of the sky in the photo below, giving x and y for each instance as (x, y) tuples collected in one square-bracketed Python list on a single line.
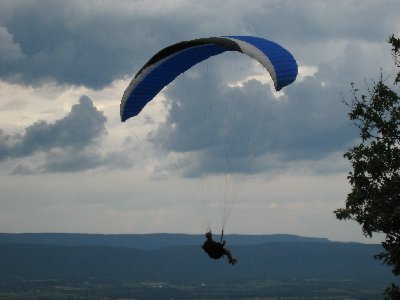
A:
[(217, 146)]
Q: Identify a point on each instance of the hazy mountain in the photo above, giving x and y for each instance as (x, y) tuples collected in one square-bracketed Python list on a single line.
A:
[(145, 241), (48, 257)]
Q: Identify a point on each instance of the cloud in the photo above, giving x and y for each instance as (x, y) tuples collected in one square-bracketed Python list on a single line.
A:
[(9, 51), (91, 44), (66, 42), (68, 143), (51, 52), (217, 128), (24, 168), (81, 43)]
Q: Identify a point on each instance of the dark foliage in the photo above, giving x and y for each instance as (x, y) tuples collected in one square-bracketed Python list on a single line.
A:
[(374, 201)]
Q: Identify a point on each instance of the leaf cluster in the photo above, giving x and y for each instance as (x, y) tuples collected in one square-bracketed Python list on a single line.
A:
[(375, 179)]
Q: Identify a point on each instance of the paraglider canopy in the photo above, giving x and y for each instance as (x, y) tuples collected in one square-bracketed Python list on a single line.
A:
[(170, 62)]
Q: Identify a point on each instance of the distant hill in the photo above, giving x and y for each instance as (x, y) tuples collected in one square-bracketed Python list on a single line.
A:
[(43, 256), (145, 241)]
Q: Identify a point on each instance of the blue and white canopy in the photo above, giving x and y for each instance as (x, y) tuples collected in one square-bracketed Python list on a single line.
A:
[(172, 61)]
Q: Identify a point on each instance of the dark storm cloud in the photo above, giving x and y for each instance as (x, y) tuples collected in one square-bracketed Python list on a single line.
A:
[(91, 43), (244, 129), (67, 143), (72, 42), (321, 20), (85, 42)]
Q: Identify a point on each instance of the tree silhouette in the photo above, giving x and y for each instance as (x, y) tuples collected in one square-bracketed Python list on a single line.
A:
[(374, 201)]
